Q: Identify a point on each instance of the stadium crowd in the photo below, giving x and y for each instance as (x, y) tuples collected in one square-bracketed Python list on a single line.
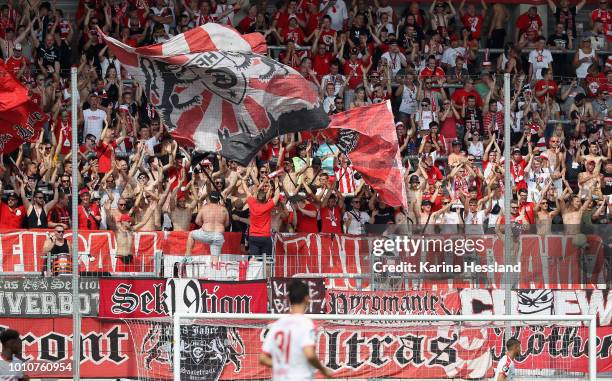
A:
[(428, 59)]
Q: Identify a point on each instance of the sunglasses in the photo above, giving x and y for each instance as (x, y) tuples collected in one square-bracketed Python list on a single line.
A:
[(122, 204), (59, 231)]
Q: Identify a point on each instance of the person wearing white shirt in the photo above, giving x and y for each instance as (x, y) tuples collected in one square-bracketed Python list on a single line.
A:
[(225, 12), (449, 57), (395, 58), (355, 219), (10, 362), (475, 216), (93, 118), (336, 9), (536, 176), (505, 368), (539, 58), (289, 347)]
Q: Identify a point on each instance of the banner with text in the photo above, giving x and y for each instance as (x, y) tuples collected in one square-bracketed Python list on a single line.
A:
[(280, 295), (143, 348), (438, 262), (150, 298), (50, 297)]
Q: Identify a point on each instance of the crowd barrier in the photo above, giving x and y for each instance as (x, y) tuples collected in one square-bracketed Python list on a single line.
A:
[(548, 261), (126, 325)]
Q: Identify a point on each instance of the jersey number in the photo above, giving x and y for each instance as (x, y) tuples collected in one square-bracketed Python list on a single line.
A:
[(284, 344)]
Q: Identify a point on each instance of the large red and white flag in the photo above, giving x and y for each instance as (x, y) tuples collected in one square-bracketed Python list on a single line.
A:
[(21, 120), (367, 136), (215, 88)]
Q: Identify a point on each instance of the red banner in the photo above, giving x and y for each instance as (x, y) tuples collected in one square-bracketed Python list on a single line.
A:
[(151, 298), (548, 262), (116, 349), (22, 250)]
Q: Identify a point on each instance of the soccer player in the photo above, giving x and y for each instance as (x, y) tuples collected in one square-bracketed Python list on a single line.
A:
[(289, 347), (505, 367), (10, 357)]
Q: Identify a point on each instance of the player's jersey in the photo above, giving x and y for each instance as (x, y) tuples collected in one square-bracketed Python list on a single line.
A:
[(285, 343), (505, 367)]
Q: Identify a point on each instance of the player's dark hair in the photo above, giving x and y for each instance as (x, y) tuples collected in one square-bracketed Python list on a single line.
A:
[(8, 335), (511, 343), (298, 291)]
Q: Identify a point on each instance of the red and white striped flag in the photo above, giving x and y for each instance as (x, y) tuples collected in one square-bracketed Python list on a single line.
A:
[(215, 88)]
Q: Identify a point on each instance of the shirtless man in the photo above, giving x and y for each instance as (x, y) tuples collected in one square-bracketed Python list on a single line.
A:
[(290, 178), (146, 202), (572, 213), (497, 31), (124, 235), (594, 154), (180, 211), (543, 215), (556, 161), (213, 218), (588, 181)]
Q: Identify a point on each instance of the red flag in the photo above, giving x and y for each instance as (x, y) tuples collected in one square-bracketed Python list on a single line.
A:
[(13, 93), (21, 120), (367, 136)]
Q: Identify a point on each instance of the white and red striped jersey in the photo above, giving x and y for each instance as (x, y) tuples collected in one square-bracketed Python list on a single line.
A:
[(285, 343), (347, 185), (505, 367)]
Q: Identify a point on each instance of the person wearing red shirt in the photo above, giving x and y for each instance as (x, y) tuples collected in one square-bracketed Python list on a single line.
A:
[(493, 121), (321, 60), (274, 151), (354, 68), (260, 212), (89, 214), (327, 36), (331, 214), (517, 169), (8, 15), (596, 81), (17, 61), (605, 15), (293, 32), (11, 215), (105, 150), (460, 96), (546, 86), (247, 23), (526, 207), (529, 22), (62, 128), (281, 18), (432, 69), (313, 18), (432, 172), (305, 216), (472, 21)]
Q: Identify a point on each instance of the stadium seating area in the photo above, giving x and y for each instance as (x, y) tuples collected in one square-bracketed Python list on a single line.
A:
[(440, 64)]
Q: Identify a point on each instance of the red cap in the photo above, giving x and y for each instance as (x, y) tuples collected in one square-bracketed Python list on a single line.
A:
[(454, 37), (83, 191)]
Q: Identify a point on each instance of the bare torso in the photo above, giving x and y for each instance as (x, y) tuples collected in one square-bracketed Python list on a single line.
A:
[(213, 217)]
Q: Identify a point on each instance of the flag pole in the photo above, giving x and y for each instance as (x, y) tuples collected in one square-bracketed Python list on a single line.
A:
[(76, 302), (507, 201)]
